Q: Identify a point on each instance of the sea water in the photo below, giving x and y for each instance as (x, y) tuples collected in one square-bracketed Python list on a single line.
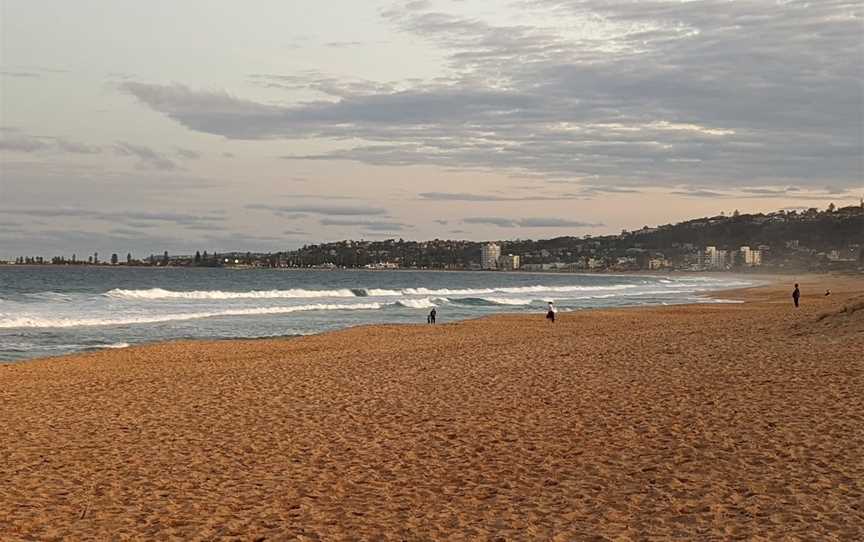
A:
[(47, 311)]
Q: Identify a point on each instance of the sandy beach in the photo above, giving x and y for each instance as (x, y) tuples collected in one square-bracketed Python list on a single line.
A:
[(702, 422)]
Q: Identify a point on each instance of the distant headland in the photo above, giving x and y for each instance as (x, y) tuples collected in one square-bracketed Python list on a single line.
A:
[(805, 240)]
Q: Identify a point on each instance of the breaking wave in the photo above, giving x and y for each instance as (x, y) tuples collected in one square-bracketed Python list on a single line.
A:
[(417, 303), (37, 322), (160, 293), (113, 346)]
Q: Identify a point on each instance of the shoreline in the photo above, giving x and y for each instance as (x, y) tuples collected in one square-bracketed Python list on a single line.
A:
[(101, 348), (679, 422)]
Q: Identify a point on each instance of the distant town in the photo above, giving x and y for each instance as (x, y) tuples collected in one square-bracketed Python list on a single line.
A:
[(812, 240)]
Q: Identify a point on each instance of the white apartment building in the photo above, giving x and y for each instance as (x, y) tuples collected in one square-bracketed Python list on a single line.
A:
[(489, 255), (657, 263), (714, 258), (752, 258)]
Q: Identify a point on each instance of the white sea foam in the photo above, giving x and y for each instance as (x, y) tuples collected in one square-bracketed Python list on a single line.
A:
[(424, 303), (380, 292), (515, 290), (49, 296), (39, 322), (113, 346), (508, 300), (299, 293), (159, 293)]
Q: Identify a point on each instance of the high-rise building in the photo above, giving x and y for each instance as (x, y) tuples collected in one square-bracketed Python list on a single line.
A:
[(509, 262), (489, 254), (752, 258), (715, 258)]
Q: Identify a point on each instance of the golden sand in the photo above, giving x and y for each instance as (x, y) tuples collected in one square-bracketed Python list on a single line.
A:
[(732, 421)]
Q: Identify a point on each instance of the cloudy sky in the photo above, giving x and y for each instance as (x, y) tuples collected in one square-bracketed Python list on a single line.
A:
[(263, 125)]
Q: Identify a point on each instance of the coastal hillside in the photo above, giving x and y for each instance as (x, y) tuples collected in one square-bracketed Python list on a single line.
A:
[(807, 240)]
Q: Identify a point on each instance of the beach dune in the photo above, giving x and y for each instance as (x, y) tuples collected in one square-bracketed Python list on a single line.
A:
[(732, 420)]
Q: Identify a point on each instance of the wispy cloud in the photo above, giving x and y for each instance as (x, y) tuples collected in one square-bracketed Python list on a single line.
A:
[(17, 141), (188, 154), (461, 196), (148, 157), (336, 210), (541, 222), (119, 216), (373, 225), (791, 192)]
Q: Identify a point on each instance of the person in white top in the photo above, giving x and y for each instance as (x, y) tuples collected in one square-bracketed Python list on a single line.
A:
[(550, 314)]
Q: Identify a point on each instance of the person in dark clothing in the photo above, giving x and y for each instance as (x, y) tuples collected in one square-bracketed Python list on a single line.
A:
[(550, 314), (432, 314), (796, 293)]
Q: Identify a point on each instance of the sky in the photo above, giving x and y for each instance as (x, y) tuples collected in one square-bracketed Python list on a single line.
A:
[(217, 125)]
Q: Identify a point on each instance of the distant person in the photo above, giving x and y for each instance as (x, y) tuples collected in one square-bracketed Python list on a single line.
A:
[(550, 313), (796, 294), (432, 314), (827, 293)]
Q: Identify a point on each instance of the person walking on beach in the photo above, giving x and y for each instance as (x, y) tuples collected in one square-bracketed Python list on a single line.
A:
[(796, 293), (432, 314), (550, 314)]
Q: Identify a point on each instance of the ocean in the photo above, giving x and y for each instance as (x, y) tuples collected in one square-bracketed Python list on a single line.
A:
[(49, 311)]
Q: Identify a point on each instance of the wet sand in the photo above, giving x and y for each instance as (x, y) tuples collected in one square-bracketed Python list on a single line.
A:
[(726, 421)]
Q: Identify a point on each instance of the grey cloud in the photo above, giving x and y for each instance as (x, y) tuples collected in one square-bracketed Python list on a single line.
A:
[(495, 221), (117, 216), (555, 223), (343, 44), (15, 140), (177, 218), (188, 154), (373, 225), (76, 147), (127, 232), (321, 196), (530, 222), (697, 193), (449, 196), (147, 156), (19, 143), (756, 193), (320, 209), (588, 190), (204, 226), (321, 83), (460, 196), (641, 97)]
